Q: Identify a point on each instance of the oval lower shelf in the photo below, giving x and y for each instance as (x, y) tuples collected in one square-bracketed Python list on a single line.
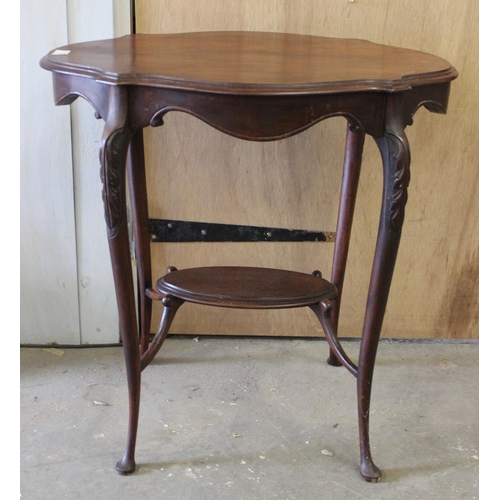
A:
[(246, 287)]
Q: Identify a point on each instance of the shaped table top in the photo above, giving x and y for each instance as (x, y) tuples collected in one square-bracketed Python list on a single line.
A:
[(247, 62)]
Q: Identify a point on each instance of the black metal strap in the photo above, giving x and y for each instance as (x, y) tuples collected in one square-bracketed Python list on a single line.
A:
[(162, 231)]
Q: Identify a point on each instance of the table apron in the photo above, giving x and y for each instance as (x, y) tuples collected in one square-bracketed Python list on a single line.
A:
[(259, 118)]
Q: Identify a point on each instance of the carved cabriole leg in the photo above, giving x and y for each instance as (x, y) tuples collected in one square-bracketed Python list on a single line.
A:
[(114, 144), (395, 154), (355, 140), (140, 217)]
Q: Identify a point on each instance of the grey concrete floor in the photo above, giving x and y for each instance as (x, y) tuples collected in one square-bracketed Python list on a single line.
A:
[(250, 419)]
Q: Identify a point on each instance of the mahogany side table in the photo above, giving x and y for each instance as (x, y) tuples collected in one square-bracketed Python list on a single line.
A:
[(258, 87)]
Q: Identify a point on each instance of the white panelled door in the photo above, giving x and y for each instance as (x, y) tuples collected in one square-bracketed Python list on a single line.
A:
[(67, 293)]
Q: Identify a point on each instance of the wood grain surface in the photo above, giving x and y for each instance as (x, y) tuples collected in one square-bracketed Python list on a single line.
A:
[(250, 62)]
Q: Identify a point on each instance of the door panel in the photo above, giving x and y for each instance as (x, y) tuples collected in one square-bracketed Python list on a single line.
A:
[(49, 292), (196, 173)]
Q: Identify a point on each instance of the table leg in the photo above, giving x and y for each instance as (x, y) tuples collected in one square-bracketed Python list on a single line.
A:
[(350, 178), (139, 204), (114, 145), (395, 154)]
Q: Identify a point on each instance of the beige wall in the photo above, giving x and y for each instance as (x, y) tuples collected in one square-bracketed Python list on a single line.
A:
[(295, 183)]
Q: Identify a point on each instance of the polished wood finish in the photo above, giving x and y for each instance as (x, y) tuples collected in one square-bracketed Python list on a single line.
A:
[(350, 180), (257, 103), (246, 287), (251, 63), (140, 219)]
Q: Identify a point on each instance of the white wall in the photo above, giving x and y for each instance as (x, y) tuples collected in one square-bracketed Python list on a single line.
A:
[(67, 294)]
